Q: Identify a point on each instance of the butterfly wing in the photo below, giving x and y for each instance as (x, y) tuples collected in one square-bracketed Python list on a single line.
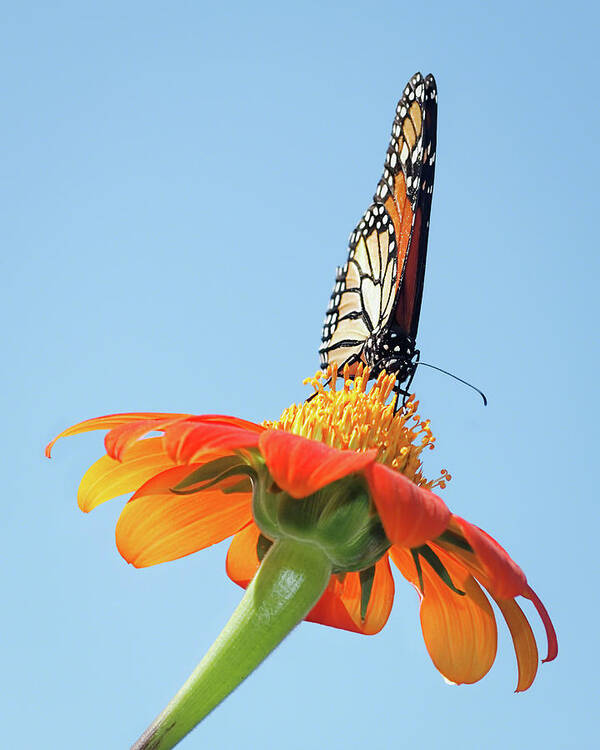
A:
[(381, 283), (407, 306), (364, 289)]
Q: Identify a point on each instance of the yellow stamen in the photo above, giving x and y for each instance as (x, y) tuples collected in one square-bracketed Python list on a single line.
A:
[(355, 418)]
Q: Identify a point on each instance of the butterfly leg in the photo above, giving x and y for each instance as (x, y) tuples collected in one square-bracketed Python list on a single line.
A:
[(404, 391), (400, 392), (316, 393)]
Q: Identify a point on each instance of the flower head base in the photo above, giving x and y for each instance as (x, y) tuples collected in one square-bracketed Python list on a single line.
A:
[(339, 518), (341, 473)]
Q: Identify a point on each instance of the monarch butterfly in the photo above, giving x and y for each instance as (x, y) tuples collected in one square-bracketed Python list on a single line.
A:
[(374, 309)]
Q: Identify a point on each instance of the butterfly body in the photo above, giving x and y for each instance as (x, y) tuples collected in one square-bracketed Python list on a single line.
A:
[(393, 351), (374, 309)]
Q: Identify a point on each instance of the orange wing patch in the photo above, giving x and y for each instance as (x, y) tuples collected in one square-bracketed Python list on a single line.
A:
[(399, 185), (403, 222)]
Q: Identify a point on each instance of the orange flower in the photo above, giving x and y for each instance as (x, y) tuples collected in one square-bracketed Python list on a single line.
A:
[(209, 477)]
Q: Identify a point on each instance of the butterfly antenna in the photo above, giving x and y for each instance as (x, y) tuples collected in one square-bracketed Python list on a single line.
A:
[(460, 380)]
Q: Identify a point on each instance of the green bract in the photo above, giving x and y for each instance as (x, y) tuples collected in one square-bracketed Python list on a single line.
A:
[(340, 519)]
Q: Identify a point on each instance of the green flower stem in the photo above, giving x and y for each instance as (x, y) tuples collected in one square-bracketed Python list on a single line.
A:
[(289, 582)]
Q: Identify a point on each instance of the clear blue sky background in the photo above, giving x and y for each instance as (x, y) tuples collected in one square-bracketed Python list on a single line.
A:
[(178, 184)]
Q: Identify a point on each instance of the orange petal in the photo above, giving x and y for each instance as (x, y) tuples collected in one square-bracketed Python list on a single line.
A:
[(503, 577), (459, 631), (121, 438), (339, 607), (411, 515), (108, 422), (242, 560), (154, 528), (108, 478), (233, 421), (545, 617), (301, 466), (523, 640), (162, 483), (187, 441)]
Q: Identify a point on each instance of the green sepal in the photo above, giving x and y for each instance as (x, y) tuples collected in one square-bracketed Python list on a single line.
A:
[(415, 557), (438, 567), (244, 485), (192, 484), (453, 538), (366, 577), (262, 546), (339, 518), (210, 470)]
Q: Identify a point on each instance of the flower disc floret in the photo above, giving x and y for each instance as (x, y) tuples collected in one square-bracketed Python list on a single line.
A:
[(359, 418)]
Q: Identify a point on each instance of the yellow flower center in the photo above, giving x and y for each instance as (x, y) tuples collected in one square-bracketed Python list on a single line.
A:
[(360, 418)]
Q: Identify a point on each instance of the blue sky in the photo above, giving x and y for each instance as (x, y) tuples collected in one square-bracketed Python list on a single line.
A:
[(178, 184)]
